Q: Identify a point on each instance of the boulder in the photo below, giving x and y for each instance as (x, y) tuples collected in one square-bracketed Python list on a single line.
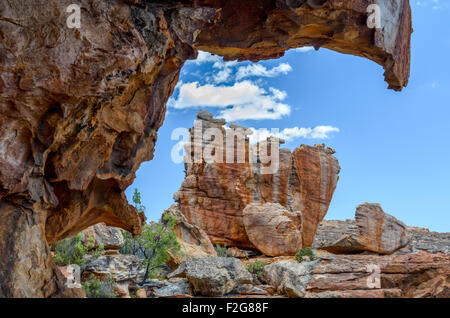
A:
[(380, 232), (141, 293), (236, 253), (122, 290), (194, 242), (273, 229), (214, 276), (121, 267), (289, 277), (109, 237), (178, 289), (373, 231)]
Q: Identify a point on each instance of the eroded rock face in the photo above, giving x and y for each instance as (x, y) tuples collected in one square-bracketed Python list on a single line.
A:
[(424, 240), (120, 267), (194, 242), (415, 275), (80, 108), (26, 265), (214, 276), (177, 289), (214, 194), (274, 230), (109, 237), (373, 230), (251, 30)]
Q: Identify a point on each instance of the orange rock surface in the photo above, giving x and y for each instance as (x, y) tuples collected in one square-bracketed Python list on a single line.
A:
[(80, 108), (213, 196)]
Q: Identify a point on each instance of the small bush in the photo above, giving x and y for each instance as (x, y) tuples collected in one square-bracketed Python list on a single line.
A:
[(96, 288), (256, 268), (156, 243), (221, 250), (73, 250), (307, 251)]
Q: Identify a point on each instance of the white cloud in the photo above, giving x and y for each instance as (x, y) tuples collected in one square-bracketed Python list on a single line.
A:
[(290, 134), (304, 49), (205, 57), (241, 101), (222, 76), (225, 72), (262, 71)]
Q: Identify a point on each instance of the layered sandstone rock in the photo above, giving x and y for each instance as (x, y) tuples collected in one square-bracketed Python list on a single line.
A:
[(109, 237), (272, 229), (215, 193), (80, 108), (194, 242), (373, 230), (424, 240), (367, 276), (119, 267), (214, 276)]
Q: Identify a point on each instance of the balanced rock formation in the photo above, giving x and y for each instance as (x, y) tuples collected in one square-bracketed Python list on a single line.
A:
[(80, 107), (367, 276), (194, 241), (215, 194), (273, 229), (373, 230)]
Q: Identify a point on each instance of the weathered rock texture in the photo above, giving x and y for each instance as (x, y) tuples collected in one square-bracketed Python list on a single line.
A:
[(415, 275), (214, 276), (80, 108), (119, 267), (194, 242), (213, 195), (424, 240), (373, 230), (274, 230), (109, 237)]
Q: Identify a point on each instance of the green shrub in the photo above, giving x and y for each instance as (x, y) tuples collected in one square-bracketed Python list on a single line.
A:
[(74, 251), (307, 251), (156, 243), (256, 268), (221, 250), (96, 288), (154, 246)]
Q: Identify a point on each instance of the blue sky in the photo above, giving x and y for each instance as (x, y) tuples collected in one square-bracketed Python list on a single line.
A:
[(393, 147)]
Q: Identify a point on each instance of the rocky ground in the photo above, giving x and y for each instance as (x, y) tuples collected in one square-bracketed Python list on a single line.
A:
[(277, 243), (419, 267)]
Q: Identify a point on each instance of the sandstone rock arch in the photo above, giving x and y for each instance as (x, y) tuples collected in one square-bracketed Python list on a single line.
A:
[(80, 108)]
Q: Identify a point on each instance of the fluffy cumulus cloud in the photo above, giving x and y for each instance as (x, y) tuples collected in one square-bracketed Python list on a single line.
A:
[(262, 71), (240, 101), (238, 92), (290, 134)]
